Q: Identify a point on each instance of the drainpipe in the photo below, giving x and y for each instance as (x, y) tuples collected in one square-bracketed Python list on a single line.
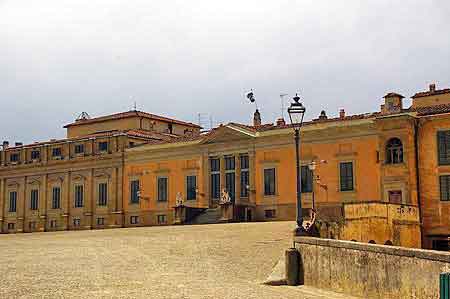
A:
[(416, 156)]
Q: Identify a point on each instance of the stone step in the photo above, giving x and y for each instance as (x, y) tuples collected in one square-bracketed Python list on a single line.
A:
[(209, 216)]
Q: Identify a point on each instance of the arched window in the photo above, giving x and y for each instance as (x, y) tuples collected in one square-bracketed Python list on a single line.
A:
[(372, 242), (394, 151), (388, 242)]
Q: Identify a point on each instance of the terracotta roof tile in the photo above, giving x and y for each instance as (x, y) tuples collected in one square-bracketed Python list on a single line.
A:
[(431, 93), (431, 110), (131, 113), (393, 94), (148, 135)]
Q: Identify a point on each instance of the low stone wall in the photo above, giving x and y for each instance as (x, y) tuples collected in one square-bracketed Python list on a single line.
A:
[(371, 271)]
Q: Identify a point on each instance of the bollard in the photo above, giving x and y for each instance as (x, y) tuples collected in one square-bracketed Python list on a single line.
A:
[(292, 267)]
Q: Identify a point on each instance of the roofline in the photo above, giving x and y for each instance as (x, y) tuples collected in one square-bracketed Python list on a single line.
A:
[(137, 114)]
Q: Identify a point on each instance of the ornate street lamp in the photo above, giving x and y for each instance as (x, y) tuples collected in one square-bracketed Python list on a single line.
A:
[(296, 113)]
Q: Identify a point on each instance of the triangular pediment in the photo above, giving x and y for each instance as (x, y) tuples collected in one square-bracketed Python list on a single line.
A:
[(227, 134)]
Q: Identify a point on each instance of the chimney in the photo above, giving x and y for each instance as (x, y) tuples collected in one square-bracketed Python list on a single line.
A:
[(5, 144), (432, 87), (323, 115), (281, 122), (257, 118), (342, 114), (18, 144)]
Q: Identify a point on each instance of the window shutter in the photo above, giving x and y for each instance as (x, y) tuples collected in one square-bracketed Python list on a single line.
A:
[(443, 147)]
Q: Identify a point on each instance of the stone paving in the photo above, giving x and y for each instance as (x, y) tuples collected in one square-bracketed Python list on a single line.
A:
[(199, 261)]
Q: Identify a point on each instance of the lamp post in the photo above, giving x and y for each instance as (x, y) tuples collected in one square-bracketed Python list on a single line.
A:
[(296, 113)]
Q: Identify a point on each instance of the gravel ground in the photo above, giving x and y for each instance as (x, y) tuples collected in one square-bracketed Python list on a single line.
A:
[(202, 261)]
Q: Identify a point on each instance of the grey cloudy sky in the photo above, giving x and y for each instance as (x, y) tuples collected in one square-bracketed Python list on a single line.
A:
[(178, 58)]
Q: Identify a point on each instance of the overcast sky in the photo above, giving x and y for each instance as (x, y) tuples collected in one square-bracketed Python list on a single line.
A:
[(180, 58)]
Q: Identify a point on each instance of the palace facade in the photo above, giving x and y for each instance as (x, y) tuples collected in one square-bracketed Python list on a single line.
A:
[(380, 177)]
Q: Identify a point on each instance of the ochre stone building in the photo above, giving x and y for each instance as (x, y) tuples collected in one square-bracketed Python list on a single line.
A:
[(381, 177)]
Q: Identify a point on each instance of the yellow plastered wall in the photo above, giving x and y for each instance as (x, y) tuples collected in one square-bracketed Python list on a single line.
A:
[(176, 171), (362, 152)]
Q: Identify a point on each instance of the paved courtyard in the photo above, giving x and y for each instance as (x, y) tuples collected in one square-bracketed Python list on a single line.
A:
[(202, 261)]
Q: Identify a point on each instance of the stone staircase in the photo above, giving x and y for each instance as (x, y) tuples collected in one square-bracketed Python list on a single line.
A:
[(209, 216)]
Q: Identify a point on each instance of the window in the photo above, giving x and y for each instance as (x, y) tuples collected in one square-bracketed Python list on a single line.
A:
[(11, 226), (56, 152), (100, 221), (162, 189), (170, 128), (394, 151), (443, 140), (134, 195), (53, 224), (244, 162), (12, 201), (14, 157), (131, 144), (215, 165), (395, 196), (215, 178), (102, 194), (32, 225), (270, 213), (76, 222), (103, 146), (307, 179), (79, 196), (191, 187), (269, 181), (230, 184), (56, 198), (346, 176), (245, 178), (162, 219), (230, 163), (79, 149), (444, 182), (134, 219), (245, 183), (34, 199), (35, 155)]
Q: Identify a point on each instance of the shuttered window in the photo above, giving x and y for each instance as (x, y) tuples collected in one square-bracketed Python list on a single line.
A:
[(102, 194), (79, 196), (307, 179), (134, 191), (215, 178), (346, 176), (191, 185), (12, 202), (56, 198), (269, 181), (34, 199), (444, 181), (443, 140), (162, 189)]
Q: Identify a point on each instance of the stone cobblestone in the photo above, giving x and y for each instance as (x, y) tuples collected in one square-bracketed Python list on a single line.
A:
[(202, 261)]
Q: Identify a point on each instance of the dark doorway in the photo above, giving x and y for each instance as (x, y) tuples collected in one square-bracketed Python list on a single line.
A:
[(249, 215), (441, 245)]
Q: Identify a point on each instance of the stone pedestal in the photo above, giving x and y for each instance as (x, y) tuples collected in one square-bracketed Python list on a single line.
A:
[(180, 214), (227, 212)]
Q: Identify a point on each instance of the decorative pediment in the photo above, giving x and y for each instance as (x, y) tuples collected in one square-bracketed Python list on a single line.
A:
[(102, 173), (13, 184), (34, 181), (227, 134), (78, 177), (56, 179)]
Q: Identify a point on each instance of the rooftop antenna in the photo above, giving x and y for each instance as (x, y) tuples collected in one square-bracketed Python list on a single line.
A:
[(83, 116), (282, 95)]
